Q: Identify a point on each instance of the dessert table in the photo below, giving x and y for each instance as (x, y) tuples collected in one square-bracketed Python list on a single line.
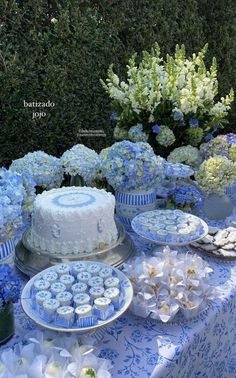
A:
[(202, 347)]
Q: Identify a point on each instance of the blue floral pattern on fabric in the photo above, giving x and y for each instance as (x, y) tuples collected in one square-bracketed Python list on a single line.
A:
[(203, 347)]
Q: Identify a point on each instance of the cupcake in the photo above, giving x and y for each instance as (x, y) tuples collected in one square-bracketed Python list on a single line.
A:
[(83, 277), (84, 316), (114, 295), (57, 287), (50, 276), (96, 292), (79, 287), (94, 269), (81, 299), (102, 303), (63, 269), (40, 297), (78, 268), (40, 284), (65, 316), (64, 298), (103, 308), (112, 282), (50, 307), (105, 273), (67, 280), (95, 281)]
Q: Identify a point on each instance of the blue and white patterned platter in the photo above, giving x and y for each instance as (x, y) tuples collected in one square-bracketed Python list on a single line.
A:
[(28, 304), (149, 226)]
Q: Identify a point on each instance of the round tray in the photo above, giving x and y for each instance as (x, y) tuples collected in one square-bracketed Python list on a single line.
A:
[(26, 303), (31, 263), (137, 227)]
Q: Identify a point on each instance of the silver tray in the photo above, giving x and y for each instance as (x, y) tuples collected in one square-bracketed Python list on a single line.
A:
[(30, 262)]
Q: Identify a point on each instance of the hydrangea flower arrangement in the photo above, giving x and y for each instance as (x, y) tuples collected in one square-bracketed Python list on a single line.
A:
[(129, 166), (224, 145), (45, 169), (44, 354), (81, 160), (17, 194), (9, 286), (188, 155), (176, 94), (185, 197), (215, 174)]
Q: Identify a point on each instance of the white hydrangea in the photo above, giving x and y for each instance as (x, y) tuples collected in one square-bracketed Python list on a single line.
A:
[(188, 155), (83, 161)]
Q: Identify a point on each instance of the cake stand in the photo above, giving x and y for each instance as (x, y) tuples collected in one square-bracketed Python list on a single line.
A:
[(145, 225), (31, 261)]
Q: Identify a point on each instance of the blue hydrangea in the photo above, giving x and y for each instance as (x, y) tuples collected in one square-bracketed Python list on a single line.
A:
[(17, 193), (136, 134), (178, 116), (187, 196), (208, 137), (129, 166), (10, 286), (156, 129), (231, 138), (193, 122), (44, 169), (83, 161)]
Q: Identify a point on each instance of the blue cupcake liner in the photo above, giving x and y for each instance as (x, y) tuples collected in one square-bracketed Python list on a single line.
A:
[(86, 321), (103, 315)]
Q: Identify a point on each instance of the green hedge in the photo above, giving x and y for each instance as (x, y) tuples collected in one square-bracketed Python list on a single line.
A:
[(62, 61)]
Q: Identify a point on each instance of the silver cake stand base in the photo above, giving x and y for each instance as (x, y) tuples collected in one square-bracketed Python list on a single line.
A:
[(31, 262)]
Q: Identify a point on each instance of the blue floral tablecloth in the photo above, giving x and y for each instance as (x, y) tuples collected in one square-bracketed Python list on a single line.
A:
[(202, 347)]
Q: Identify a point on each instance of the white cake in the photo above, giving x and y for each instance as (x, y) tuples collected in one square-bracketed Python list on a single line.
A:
[(73, 220)]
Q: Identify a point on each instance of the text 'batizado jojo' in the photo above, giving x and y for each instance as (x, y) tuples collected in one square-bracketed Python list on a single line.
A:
[(35, 104)]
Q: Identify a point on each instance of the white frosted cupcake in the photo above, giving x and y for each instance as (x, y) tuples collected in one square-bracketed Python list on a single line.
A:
[(40, 297), (79, 267), (112, 282), (67, 280), (102, 303), (57, 287), (105, 273), (112, 293), (40, 284), (95, 281), (65, 298), (96, 292), (83, 277), (84, 316), (81, 299), (50, 307), (94, 269), (50, 276), (79, 287), (63, 269), (65, 316), (85, 310)]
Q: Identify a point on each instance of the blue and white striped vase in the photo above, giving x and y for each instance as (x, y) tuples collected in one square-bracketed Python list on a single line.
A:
[(6, 249), (131, 203)]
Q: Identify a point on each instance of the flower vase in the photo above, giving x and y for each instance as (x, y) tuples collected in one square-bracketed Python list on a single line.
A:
[(6, 249), (133, 202), (76, 180), (6, 322), (217, 206)]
